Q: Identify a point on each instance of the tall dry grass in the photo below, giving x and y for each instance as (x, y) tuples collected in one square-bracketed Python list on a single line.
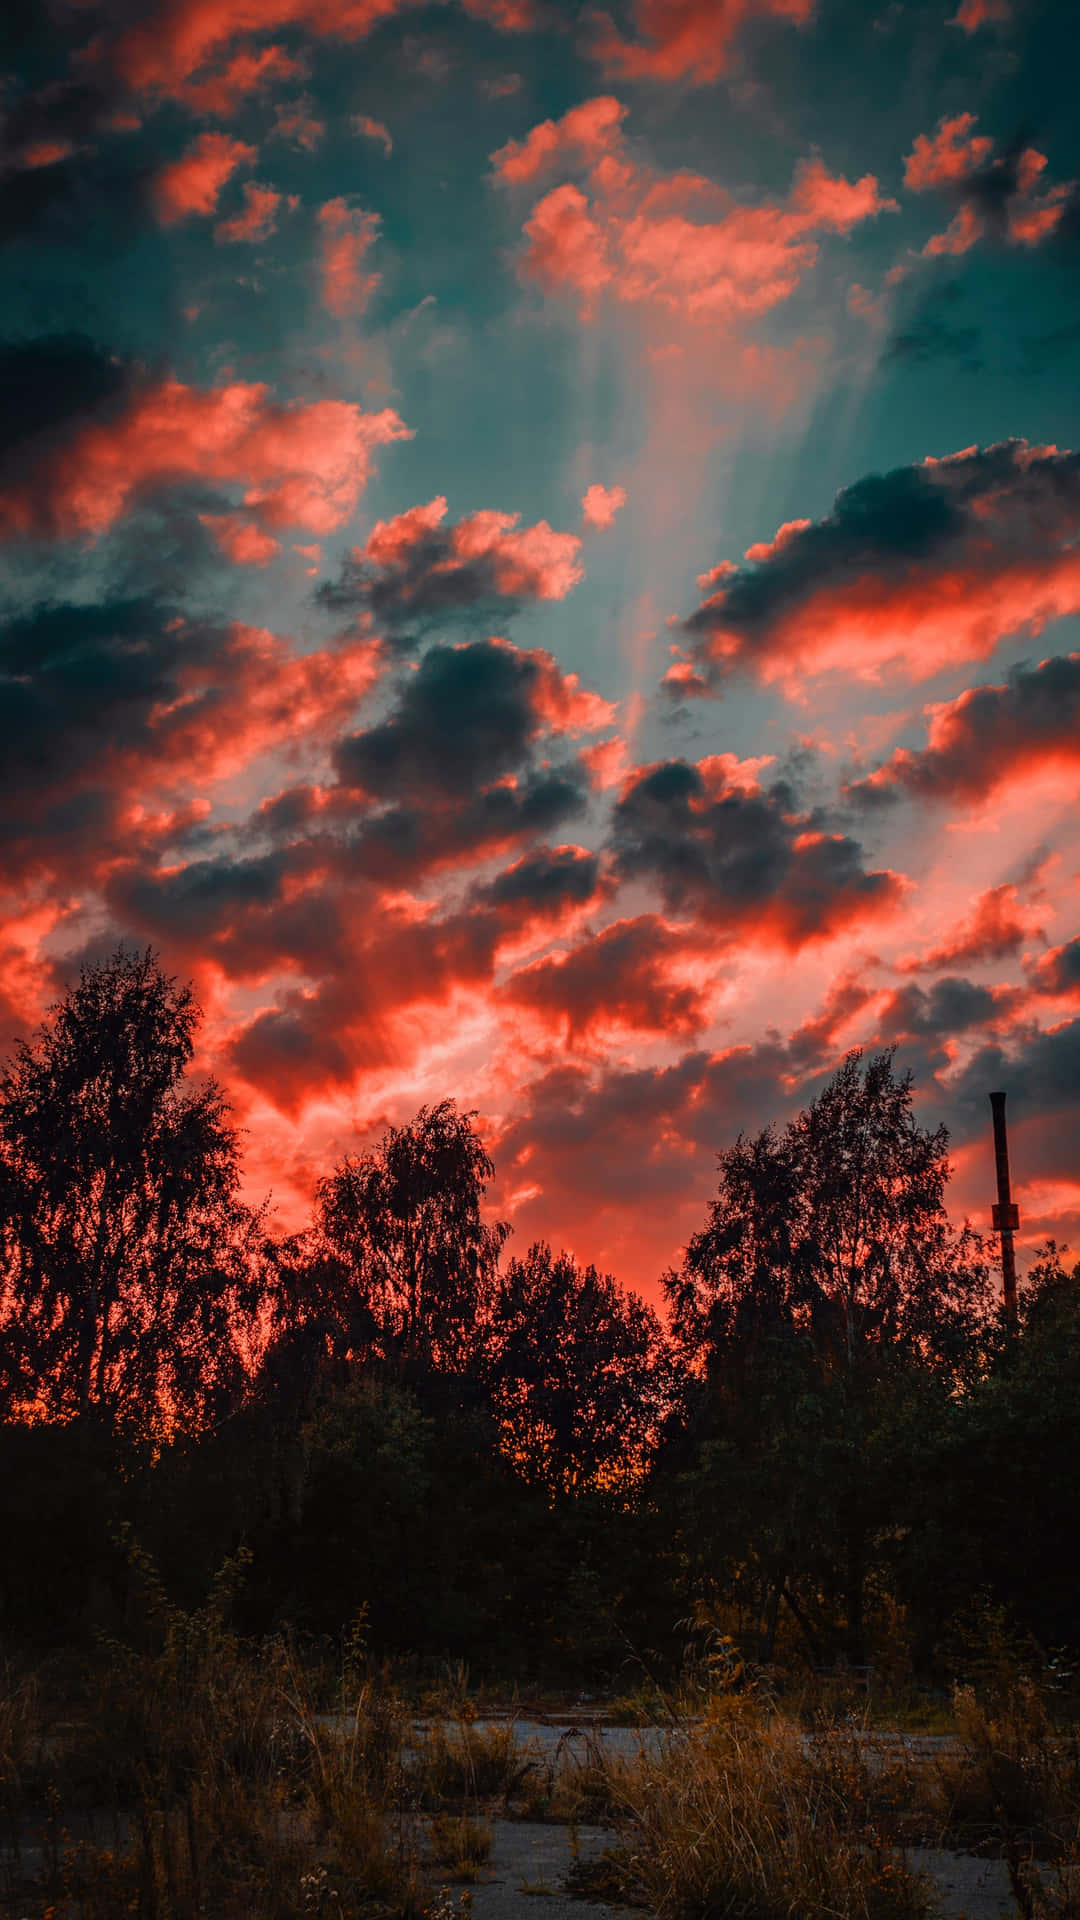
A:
[(198, 1776), (1011, 1787), (748, 1816)]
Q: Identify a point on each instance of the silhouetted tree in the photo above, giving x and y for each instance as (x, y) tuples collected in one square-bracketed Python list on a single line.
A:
[(580, 1371), (124, 1275), (837, 1224), (417, 1260), (827, 1280)]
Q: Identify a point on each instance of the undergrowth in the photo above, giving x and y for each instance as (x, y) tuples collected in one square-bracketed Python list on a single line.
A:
[(199, 1777)]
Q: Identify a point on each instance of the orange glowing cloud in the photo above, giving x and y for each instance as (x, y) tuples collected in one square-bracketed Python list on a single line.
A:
[(192, 184), (178, 54), (580, 138), (123, 730), (998, 193), (536, 562), (629, 976), (948, 157), (688, 39), (996, 929), (257, 220), (257, 694), (245, 544), (912, 571), (369, 129), (973, 14), (682, 242), (248, 72), (300, 465), (599, 505), (347, 235), (988, 735), (413, 566)]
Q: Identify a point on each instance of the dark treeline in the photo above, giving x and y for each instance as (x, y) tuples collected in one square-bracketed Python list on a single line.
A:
[(830, 1445)]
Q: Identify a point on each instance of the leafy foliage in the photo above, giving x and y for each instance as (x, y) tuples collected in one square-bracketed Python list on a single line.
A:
[(123, 1245), (405, 1222), (579, 1368)]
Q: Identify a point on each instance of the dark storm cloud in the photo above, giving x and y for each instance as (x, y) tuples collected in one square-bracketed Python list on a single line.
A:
[(406, 842), (883, 521), (626, 976), (1041, 1076), (929, 339), (451, 776), (424, 588), (1058, 972), (740, 859), (952, 1005), (986, 735), (51, 385), (625, 1156), (79, 687), (115, 715), (912, 570), (55, 189), (198, 901), (465, 717), (545, 881)]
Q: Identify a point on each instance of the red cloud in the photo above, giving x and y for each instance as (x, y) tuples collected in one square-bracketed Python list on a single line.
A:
[(997, 928), (989, 735), (246, 73), (192, 183), (257, 220), (688, 39), (535, 562), (510, 16), (130, 710), (300, 465), (947, 157), (998, 193), (580, 138), (362, 124), (298, 124), (627, 976), (743, 860), (973, 14), (1057, 973), (256, 695), (912, 571), (414, 565), (601, 504), (680, 242), (347, 235), (245, 544), (166, 56)]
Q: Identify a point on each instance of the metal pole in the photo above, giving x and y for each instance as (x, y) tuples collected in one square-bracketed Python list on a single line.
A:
[(1006, 1214)]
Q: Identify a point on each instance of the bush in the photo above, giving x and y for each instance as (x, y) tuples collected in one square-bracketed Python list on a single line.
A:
[(749, 1817)]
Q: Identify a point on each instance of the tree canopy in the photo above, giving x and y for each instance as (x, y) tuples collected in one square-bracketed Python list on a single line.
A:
[(836, 1224), (579, 1368), (123, 1244), (405, 1222)]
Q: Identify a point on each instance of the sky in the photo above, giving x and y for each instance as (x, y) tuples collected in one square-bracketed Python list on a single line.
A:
[(540, 564)]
